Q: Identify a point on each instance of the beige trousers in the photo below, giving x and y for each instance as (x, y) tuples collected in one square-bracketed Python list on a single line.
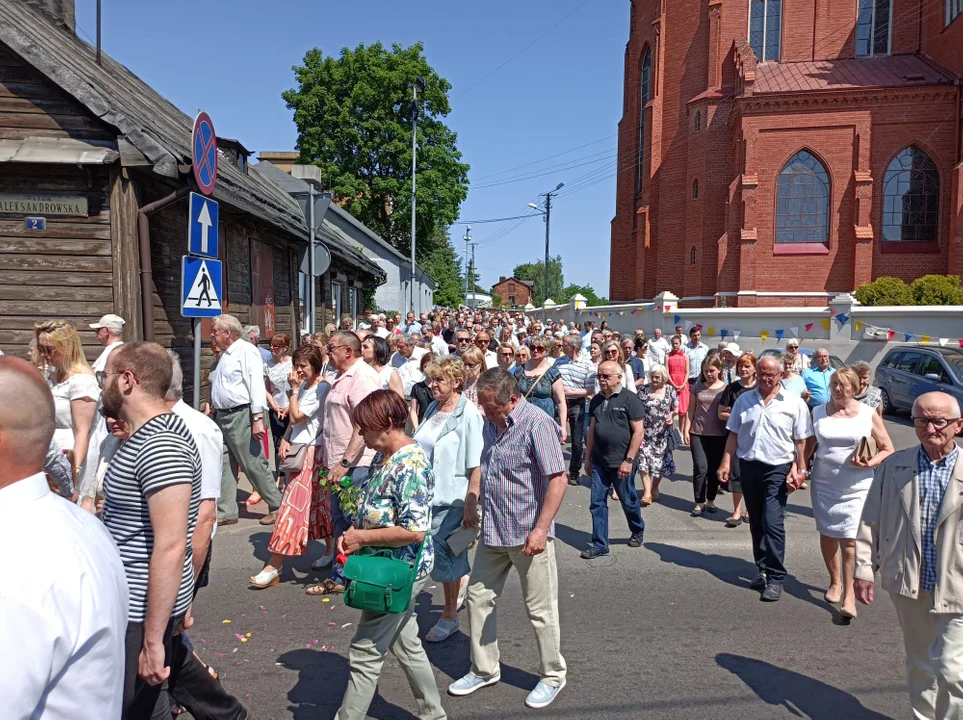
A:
[(539, 579), (378, 633), (934, 658)]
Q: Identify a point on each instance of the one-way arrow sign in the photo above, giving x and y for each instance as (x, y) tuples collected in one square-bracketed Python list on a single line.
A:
[(202, 226)]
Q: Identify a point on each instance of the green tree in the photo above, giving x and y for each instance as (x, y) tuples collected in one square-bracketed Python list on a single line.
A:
[(353, 115), (937, 290), (587, 291), (884, 291), (535, 272), (444, 265)]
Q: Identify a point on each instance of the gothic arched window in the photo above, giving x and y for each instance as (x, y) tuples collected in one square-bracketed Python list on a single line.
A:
[(645, 94), (911, 198), (802, 201)]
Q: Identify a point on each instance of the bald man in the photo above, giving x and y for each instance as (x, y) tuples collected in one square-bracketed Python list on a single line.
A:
[(911, 529), (65, 626)]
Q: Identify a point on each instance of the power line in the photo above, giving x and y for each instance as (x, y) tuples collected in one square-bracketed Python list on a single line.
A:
[(608, 155), (491, 220), (550, 157), (483, 79)]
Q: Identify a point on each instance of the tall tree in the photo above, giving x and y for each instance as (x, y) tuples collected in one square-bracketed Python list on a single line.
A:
[(587, 291), (535, 272), (354, 120)]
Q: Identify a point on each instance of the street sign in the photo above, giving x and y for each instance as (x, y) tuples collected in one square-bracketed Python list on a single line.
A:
[(202, 226), (322, 259), (204, 153), (35, 223), (201, 287)]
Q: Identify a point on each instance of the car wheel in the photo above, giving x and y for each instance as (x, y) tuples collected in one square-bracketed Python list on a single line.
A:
[(888, 408)]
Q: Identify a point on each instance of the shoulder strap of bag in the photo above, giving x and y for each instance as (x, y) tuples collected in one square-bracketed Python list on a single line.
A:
[(537, 381)]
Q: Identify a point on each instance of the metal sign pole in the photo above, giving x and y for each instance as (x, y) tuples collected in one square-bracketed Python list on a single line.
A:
[(313, 287), (198, 343)]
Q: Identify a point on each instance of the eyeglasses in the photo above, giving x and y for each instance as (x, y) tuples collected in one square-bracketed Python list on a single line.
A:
[(792, 347), (463, 340), (606, 376), (769, 375), (538, 348), (937, 423), (332, 348), (472, 365), (101, 376), (507, 354), (611, 351)]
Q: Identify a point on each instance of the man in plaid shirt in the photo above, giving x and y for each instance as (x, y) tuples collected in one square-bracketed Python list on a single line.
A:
[(521, 488)]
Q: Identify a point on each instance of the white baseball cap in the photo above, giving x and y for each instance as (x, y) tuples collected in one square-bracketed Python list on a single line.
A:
[(111, 322), (734, 349)]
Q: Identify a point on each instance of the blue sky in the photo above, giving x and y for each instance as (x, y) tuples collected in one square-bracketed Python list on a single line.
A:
[(234, 59)]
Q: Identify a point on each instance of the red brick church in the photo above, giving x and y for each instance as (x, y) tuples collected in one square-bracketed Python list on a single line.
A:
[(779, 152)]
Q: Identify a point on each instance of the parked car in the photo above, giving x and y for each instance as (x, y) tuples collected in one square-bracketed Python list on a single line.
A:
[(908, 371), (834, 361)]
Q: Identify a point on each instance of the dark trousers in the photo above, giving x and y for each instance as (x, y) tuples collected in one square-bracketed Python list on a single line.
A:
[(278, 428), (707, 452), (192, 684), (341, 522), (576, 425), (143, 701), (765, 492), (604, 478)]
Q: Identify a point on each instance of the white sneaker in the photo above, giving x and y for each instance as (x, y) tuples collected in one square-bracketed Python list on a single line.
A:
[(543, 695), (470, 683)]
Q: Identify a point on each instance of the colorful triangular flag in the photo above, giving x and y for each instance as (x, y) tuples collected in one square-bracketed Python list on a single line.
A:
[(779, 333), (735, 334), (688, 324), (667, 308), (907, 337), (924, 339), (712, 331), (676, 319), (961, 342), (724, 332), (843, 318), (808, 327), (943, 341), (794, 331), (890, 334), (859, 326), (832, 311), (764, 334), (825, 324)]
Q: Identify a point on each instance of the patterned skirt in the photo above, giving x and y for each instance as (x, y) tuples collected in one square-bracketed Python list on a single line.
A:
[(305, 512)]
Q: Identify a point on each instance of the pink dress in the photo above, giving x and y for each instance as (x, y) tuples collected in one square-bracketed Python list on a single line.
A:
[(675, 362)]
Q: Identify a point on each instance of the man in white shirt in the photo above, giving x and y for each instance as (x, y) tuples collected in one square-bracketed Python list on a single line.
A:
[(239, 399), (435, 341), (378, 327), (407, 360), (109, 330), (62, 631), (483, 341), (768, 428), (658, 348)]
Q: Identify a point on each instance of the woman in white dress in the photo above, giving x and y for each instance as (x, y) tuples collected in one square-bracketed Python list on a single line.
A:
[(840, 480), (375, 352), (75, 391), (276, 383)]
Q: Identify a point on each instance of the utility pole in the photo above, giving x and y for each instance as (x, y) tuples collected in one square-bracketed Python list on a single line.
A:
[(548, 217), (419, 82), (467, 240)]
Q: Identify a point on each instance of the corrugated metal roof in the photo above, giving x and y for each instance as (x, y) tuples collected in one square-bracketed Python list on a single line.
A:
[(847, 74), (157, 128)]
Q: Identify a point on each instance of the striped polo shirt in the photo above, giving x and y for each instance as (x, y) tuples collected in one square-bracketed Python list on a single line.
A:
[(161, 453), (516, 464), (576, 374)]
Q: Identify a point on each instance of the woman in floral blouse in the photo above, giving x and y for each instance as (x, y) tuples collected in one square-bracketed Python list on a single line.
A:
[(661, 407), (394, 511)]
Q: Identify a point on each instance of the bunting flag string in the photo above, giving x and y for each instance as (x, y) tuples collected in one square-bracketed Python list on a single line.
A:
[(890, 334), (825, 324), (907, 337), (925, 338), (779, 333), (794, 331), (859, 325), (808, 326), (843, 318), (735, 334), (676, 319), (723, 332), (943, 341), (764, 335), (712, 331)]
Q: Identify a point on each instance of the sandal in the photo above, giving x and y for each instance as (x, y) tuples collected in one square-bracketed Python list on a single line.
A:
[(253, 499), (266, 579), (646, 502), (323, 562), (325, 587), (441, 631)]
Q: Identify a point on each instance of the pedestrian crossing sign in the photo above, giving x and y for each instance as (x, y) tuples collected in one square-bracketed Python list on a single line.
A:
[(201, 287)]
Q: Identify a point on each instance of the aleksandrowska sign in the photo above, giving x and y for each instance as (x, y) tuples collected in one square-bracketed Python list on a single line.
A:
[(43, 204)]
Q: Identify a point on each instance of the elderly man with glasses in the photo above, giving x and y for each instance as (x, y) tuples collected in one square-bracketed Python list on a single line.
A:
[(483, 341), (912, 523)]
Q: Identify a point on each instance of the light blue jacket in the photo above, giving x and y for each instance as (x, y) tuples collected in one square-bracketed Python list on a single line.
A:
[(457, 449)]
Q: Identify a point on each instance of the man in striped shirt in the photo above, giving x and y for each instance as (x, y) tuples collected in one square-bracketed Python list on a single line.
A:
[(578, 378), (521, 487), (152, 491)]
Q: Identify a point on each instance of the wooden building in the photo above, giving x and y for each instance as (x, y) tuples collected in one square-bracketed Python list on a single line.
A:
[(102, 162)]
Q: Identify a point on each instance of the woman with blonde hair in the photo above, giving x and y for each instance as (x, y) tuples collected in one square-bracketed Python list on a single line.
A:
[(474, 361), (841, 477), (746, 372), (612, 351), (76, 393)]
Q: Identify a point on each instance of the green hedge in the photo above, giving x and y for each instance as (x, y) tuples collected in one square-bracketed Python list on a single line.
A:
[(927, 290)]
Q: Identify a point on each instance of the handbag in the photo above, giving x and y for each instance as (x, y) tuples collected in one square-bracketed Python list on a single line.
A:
[(866, 450), (379, 582), (294, 461)]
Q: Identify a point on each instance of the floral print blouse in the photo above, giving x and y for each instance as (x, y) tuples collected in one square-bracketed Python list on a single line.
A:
[(399, 493)]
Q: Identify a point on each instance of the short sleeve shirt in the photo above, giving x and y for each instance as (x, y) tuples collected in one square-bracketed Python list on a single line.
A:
[(310, 403), (160, 454), (613, 429), (399, 493), (348, 389), (767, 433)]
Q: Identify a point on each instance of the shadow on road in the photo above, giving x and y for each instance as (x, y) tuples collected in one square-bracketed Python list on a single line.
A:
[(802, 696), (578, 539), (734, 571), (322, 678)]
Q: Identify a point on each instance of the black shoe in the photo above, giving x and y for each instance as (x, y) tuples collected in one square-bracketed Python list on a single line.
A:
[(772, 592), (759, 583), (594, 552), (573, 479), (636, 540)]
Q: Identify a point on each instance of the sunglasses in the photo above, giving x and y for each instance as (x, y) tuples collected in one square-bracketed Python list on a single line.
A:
[(606, 376)]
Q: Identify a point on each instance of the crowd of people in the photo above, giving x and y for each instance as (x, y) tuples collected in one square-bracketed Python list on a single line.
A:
[(436, 441)]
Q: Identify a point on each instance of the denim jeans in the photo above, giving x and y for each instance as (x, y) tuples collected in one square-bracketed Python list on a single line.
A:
[(576, 433), (602, 479), (359, 476), (765, 492)]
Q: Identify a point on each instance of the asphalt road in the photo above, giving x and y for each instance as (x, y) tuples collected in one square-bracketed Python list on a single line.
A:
[(669, 630)]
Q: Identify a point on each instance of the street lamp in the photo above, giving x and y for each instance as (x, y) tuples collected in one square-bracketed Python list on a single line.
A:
[(547, 212)]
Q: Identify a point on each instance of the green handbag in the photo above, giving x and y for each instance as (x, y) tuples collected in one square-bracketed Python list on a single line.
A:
[(379, 582)]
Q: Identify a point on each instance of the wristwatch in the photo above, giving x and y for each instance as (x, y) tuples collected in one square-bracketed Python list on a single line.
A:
[(344, 463), (629, 460), (258, 417)]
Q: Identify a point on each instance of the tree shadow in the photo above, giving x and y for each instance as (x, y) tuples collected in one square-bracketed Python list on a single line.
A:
[(574, 538), (322, 679), (800, 510), (453, 656), (801, 695), (296, 568), (736, 572)]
